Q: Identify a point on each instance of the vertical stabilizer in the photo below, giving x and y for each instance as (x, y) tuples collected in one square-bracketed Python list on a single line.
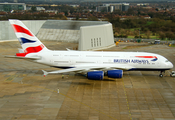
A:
[(29, 42)]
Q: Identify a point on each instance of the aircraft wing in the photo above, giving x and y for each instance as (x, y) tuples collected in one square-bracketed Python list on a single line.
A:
[(85, 69)]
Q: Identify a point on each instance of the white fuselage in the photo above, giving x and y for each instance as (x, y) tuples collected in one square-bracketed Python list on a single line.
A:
[(93, 64), (121, 60)]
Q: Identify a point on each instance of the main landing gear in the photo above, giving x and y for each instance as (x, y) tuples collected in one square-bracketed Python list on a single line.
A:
[(161, 75)]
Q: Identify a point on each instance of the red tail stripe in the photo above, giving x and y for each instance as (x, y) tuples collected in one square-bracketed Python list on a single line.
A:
[(146, 56), (34, 49), (30, 50), (21, 54), (22, 30)]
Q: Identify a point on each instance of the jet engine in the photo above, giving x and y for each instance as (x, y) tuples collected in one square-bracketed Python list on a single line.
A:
[(115, 73), (95, 75)]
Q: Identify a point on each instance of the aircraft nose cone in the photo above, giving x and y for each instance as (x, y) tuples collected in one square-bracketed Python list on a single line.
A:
[(170, 65)]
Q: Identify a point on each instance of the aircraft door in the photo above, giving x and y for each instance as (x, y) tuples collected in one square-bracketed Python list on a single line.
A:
[(72, 62), (60, 56), (158, 64), (51, 62)]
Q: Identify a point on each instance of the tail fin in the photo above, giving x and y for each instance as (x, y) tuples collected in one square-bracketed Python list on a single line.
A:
[(29, 42)]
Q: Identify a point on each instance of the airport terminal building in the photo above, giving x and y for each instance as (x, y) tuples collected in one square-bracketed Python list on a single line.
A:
[(7, 7)]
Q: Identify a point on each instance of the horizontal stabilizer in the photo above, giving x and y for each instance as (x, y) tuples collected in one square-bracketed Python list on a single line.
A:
[(30, 58), (69, 49), (45, 73), (20, 50)]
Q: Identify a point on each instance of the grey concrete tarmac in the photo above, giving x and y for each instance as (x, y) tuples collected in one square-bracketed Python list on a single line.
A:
[(140, 95)]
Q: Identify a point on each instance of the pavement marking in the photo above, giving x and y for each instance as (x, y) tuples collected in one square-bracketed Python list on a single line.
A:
[(87, 106), (126, 99), (9, 79), (71, 99)]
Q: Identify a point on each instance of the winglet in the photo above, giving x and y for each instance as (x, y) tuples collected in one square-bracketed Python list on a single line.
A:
[(45, 73), (68, 49)]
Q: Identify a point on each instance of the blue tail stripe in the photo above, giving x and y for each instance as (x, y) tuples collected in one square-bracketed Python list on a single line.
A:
[(24, 40)]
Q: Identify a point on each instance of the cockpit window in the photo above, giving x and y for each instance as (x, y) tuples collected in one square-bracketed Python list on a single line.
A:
[(166, 61)]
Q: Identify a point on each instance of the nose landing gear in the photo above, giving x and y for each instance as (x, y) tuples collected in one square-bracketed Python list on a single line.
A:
[(161, 75)]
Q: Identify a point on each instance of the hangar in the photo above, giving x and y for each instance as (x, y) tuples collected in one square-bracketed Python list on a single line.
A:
[(91, 35)]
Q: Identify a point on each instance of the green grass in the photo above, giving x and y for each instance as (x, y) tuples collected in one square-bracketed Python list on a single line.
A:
[(133, 29), (151, 37), (172, 46), (149, 23), (154, 37), (142, 34), (130, 37)]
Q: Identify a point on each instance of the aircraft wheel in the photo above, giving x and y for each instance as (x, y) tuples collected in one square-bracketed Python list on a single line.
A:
[(160, 75)]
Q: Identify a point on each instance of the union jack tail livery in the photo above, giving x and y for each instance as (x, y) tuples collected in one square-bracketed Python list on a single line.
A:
[(29, 42)]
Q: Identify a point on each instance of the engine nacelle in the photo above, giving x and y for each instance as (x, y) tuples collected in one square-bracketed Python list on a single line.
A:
[(95, 75), (115, 73)]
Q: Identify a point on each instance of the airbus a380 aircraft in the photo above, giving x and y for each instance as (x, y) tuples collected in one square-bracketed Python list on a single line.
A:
[(93, 64)]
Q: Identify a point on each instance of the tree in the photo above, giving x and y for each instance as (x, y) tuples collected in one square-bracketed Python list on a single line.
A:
[(92, 18), (61, 17), (172, 18), (119, 12), (33, 8), (130, 11), (145, 29), (77, 17), (162, 35), (123, 33), (170, 35), (136, 32), (66, 13), (148, 33)]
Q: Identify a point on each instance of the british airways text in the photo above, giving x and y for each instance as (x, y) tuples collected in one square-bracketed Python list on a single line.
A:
[(131, 61)]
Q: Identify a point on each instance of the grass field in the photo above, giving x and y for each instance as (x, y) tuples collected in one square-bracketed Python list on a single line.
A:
[(142, 33), (149, 23), (172, 46), (151, 37), (130, 37), (154, 37), (133, 29)]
